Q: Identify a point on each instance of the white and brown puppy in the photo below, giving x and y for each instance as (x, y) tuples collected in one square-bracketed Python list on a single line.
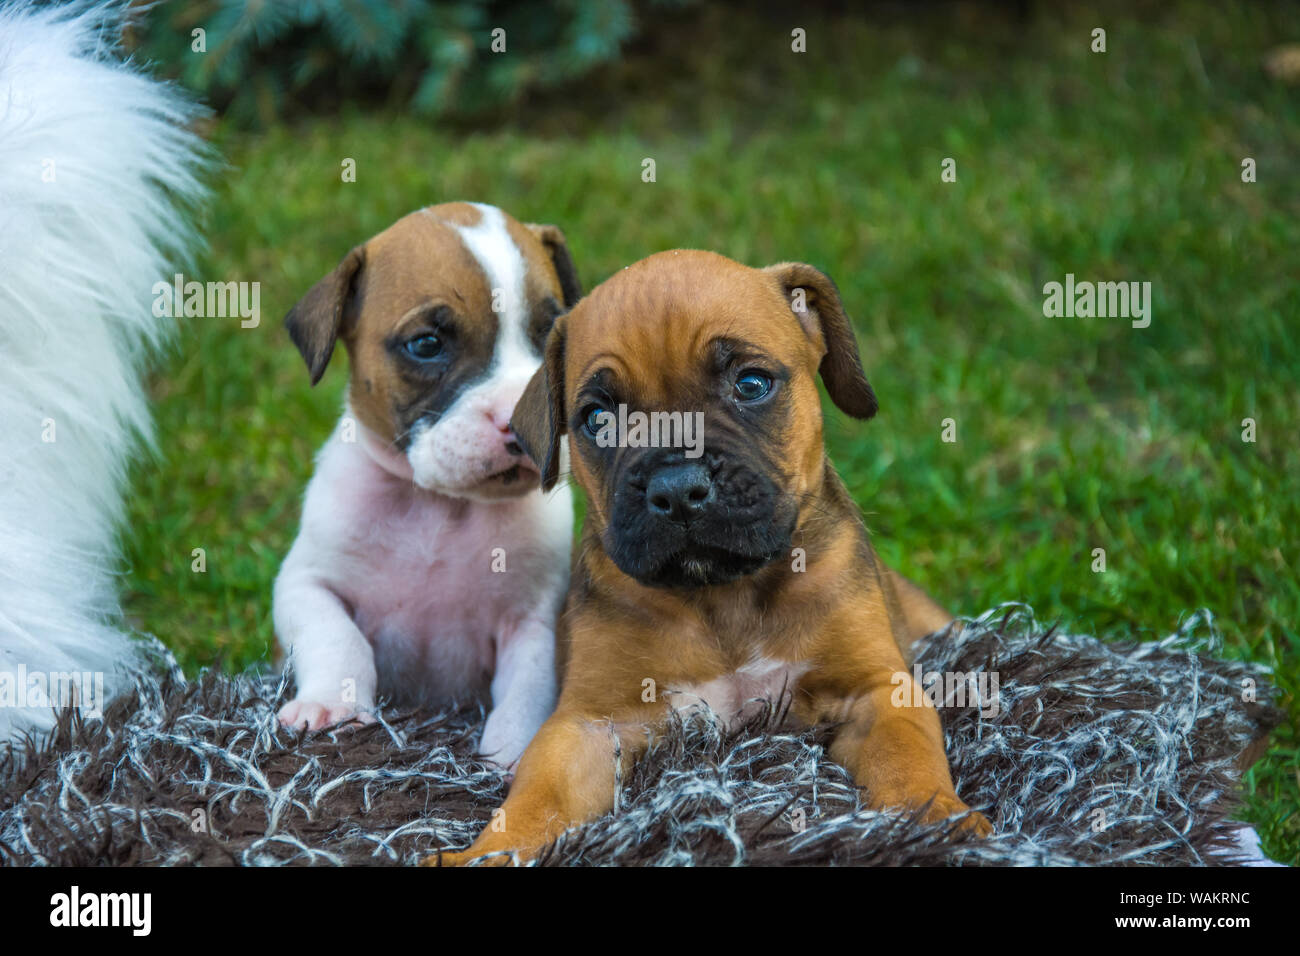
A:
[(422, 493)]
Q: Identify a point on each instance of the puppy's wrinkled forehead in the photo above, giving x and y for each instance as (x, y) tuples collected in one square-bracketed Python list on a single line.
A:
[(654, 323)]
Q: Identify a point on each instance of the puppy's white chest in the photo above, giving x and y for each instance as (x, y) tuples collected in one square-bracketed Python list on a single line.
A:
[(743, 692), (436, 586), (413, 576)]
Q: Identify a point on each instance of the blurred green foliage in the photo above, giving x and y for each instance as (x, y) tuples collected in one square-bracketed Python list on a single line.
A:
[(262, 60)]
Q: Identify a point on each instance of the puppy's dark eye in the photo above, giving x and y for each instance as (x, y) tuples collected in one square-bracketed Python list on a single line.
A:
[(594, 419), (424, 347), (751, 386)]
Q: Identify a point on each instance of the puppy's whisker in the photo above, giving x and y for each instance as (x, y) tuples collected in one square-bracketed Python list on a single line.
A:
[(817, 506)]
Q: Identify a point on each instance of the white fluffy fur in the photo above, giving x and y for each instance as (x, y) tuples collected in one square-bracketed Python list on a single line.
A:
[(78, 258)]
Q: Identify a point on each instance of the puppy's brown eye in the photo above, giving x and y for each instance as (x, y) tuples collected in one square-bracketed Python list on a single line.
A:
[(424, 347), (751, 386)]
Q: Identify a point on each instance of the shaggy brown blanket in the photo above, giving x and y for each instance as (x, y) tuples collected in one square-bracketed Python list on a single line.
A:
[(1097, 753)]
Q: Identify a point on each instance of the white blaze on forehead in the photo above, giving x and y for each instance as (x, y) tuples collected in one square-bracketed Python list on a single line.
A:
[(463, 447), (490, 243)]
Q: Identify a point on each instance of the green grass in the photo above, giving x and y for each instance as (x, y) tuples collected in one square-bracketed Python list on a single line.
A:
[(1073, 434)]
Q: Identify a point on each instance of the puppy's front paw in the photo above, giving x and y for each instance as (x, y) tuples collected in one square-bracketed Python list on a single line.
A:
[(489, 841), (502, 746), (946, 806), (300, 714), (464, 858), (976, 824)]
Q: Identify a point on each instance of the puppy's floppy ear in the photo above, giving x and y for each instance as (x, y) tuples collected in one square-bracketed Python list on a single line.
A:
[(315, 322), (558, 249), (816, 304), (539, 417)]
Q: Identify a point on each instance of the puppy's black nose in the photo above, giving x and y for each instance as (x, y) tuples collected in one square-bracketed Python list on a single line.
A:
[(679, 493)]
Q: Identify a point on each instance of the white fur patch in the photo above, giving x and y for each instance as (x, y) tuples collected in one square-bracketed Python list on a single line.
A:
[(96, 167), (733, 695), (490, 243)]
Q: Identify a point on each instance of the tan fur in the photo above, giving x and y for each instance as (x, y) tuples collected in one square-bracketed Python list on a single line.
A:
[(847, 617)]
